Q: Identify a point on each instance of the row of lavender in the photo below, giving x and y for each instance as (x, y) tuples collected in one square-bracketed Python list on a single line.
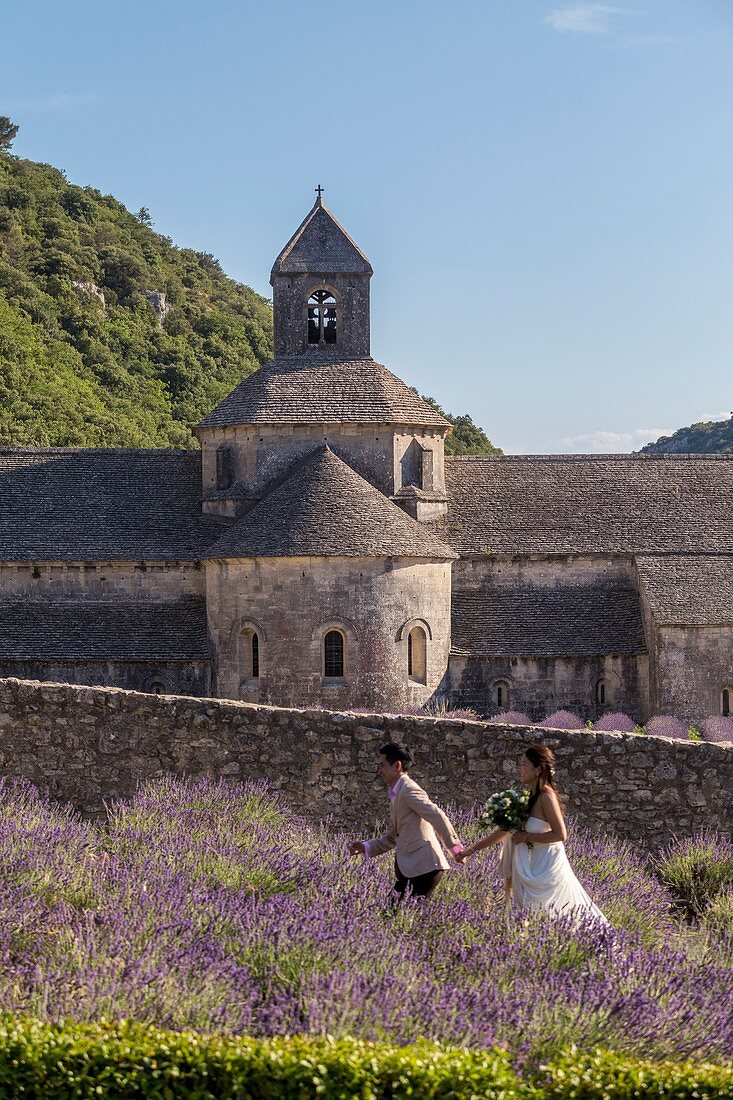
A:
[(213, 907), (716, 728)]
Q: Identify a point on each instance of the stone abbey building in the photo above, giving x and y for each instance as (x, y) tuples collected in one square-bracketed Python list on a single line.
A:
[(321, 549)]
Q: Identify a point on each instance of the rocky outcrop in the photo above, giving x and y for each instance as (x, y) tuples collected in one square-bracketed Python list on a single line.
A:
[(161, 308), (91, 288)]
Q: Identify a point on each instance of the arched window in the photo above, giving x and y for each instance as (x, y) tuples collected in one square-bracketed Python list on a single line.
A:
[(417, 655), (157, 687), (501, 689), (322, 317), (333, 655), (726, 701), (601, 693), (224, 466), (250, 654), (255, 655)]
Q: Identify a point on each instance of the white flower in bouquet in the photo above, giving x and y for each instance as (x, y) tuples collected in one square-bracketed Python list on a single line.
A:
[(506, 810)]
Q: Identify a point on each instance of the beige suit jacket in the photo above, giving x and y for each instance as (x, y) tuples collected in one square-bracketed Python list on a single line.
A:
[(415, 825)]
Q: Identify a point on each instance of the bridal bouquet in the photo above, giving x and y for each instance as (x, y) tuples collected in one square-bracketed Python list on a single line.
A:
[(506, 810)]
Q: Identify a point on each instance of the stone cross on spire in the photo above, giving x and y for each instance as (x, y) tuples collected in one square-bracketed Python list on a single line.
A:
[(320, 191)]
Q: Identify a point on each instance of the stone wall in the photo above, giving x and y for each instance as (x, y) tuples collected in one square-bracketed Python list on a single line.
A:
[(262, 453), (693, 665), (90, 745), (537, 686), (99, 580), (191, 677)]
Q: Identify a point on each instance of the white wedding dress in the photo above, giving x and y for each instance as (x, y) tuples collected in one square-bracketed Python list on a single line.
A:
[(542, 877)]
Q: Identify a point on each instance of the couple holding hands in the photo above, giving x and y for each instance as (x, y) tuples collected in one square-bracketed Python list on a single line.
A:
[(533, 862)]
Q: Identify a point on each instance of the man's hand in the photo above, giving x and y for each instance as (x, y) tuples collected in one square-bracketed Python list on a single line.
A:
[(457, 852), (356, 848)]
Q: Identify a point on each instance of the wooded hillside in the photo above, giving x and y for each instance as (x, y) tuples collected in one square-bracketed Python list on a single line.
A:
[(711, 437), (109, 334)]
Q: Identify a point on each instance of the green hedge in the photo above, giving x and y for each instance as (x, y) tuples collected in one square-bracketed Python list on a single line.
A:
[(131, 1060), (606, 1076)]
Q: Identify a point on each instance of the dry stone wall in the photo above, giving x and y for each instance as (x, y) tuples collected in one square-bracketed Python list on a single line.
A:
[(91, 745)]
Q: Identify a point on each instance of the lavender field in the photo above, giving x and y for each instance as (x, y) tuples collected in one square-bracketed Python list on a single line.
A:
[(212, 907)]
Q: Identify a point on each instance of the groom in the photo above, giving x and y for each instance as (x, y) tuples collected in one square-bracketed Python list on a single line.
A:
[(416, 823)]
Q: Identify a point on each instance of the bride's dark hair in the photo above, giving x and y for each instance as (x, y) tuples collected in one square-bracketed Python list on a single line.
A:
[(543, 758)]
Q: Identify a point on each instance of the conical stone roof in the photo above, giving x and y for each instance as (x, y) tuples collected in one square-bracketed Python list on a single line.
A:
[(321, 244), (320, 388), (323, 508)]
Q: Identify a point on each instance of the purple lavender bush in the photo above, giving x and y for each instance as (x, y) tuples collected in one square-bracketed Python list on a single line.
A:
[(717, 728), (562, 720), (618, 723), (508, 718), (665, 725), (212, 906)]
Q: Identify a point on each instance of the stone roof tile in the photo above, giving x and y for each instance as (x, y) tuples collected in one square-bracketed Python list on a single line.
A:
[(546, 621), (82, 629), (323, 508), (69, 504), (590, 504), (320, 244), (688, 590), (318, 387)]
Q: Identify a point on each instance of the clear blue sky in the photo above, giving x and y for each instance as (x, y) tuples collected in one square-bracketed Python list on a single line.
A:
[(543, 188)]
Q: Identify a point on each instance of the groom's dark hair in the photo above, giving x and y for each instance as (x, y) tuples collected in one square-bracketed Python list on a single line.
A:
[(392, 753)]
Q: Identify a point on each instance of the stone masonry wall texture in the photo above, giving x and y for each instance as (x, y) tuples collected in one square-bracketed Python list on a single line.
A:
[(90, 745)]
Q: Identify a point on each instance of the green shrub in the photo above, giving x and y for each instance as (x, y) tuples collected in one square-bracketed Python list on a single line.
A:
[(608, 1076), (131, 1060), (696, 871), (719, 916), (128, 1059)]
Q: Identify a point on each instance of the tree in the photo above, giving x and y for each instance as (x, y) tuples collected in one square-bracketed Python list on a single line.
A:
[(466, 438), (143, 216), (8, 133)]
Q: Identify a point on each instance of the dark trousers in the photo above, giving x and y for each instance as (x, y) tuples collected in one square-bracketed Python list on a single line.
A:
[(420, 886)]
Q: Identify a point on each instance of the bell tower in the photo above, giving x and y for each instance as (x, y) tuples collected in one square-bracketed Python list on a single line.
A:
[(320, 291), (323, 388)]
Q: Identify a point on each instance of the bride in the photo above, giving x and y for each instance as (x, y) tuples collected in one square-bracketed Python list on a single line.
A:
[(533, 862)]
